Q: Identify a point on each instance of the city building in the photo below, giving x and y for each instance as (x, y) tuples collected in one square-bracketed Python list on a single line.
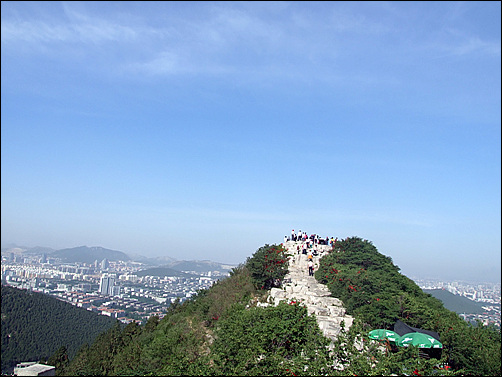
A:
[(34, 369), (107, 285), (105, 264)]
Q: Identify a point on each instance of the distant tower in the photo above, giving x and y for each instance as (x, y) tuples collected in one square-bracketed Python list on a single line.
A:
[(44, 258), (115, 290), (106, 285), (104, 264)]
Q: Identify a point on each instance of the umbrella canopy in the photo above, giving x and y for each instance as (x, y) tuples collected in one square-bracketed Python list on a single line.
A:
[(382, 334), (402, 328), (420, 340)]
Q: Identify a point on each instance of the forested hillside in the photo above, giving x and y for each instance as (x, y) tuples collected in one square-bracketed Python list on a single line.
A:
[(35, 326), (223, 330), (455, 303), (373, 290)]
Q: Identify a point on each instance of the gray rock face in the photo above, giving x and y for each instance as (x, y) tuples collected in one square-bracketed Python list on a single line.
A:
[(300, 287)]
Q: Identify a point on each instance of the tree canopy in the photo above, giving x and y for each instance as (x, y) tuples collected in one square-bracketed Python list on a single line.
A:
[(36, 325), (223, 331)]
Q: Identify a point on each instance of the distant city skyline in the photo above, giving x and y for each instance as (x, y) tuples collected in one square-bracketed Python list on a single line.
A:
[(434, 274), (205, 130)]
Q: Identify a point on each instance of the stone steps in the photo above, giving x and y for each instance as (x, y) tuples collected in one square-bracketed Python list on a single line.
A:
[(300, 287)]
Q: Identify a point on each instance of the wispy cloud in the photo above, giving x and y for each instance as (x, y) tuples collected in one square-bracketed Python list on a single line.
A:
[(77, 27), (263, 43), (464, 44)]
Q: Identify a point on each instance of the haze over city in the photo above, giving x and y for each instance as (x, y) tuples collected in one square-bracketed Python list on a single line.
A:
[(204, 130)]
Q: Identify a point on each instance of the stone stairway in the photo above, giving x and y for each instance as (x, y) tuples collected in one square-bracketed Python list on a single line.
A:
[(300, 287)]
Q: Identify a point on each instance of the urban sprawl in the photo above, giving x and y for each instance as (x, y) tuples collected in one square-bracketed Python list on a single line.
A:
[(106, 287), (115, 289)]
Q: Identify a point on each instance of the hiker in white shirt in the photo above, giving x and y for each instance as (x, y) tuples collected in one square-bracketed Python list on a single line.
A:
[(311, 268)]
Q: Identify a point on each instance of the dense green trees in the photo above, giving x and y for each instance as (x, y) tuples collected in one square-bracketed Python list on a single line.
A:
[(270, 341), (59, 359), (268, 266), (179, 344), (35, 326), (222, 330), (374, 291)]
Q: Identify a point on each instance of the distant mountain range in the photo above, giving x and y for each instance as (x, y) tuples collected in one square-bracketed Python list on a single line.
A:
[(203, 266), (85, 254), (162, 272), (455, 303)]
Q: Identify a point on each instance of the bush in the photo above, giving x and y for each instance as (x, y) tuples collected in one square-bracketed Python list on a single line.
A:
[(282, 340), (268, 266)]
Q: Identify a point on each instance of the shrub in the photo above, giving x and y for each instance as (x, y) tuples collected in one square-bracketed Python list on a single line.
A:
[(268, 266), (282, 340)]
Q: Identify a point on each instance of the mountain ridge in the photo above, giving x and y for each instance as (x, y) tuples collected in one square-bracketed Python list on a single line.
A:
[(89, 254), (456, 303)]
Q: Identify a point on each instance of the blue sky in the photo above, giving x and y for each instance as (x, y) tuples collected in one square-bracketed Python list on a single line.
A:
[(206, 130)]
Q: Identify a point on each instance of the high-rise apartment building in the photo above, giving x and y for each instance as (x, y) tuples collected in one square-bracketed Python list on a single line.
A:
[(105, 264), (107, 284)]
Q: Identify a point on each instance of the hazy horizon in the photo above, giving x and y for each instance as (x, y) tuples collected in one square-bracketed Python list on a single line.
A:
[(444, 275), (205, 130)]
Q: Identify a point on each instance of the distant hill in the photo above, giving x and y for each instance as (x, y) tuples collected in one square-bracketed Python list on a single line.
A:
[(154, 261), (86, 254), (457, 304), (162, 271), (27, 250), (200, 266), (39, 250), (35, 325), (197, 266)]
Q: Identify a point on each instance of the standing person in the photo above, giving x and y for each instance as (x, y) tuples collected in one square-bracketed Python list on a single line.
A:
[(311, 268), (299, 237), (285, 240), (293, 236)]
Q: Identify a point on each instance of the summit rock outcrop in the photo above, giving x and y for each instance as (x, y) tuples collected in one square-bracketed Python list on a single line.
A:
[(299, 287)]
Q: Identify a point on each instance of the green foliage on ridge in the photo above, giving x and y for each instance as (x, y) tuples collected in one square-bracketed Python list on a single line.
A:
[(268, 266), (373, 290), (270, 341), (223, 331)]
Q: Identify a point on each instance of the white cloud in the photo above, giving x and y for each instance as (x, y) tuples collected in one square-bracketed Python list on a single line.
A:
[(264, 44), (470, 44), (78, 27), (34, 32)]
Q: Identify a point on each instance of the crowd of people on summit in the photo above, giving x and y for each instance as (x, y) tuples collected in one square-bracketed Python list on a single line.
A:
[(308, 245), (313, 239)]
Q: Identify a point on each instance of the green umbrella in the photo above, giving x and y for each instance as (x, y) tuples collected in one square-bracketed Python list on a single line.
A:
[(420, 340), (382, 334)]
